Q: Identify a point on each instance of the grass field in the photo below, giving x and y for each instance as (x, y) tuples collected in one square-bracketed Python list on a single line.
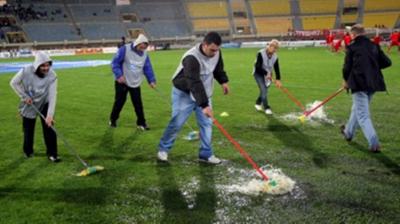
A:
[(337, 182)]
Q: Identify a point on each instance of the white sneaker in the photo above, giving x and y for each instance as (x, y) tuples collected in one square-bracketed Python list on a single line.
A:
[(162, 156), (258, 107), (211, 160), (268, 111)]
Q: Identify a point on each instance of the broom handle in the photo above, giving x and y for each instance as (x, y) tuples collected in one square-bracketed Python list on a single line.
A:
[(307, 113), (240, 149), (66, 143), (291, 97)]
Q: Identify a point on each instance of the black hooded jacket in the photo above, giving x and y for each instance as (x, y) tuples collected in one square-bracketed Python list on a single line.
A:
[(362, 66)]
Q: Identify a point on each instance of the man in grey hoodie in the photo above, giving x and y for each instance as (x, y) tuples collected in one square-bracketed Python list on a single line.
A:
[(36, 84)]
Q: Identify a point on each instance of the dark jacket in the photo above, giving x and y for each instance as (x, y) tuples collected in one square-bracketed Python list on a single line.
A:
[(259, 70), (362, 66), (188, 79)]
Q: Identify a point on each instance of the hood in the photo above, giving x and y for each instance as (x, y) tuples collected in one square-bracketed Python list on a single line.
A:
[(41, 58), (140, 39)]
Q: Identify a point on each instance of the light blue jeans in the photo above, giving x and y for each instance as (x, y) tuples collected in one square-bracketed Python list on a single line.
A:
[(360, 117), (182, 107)]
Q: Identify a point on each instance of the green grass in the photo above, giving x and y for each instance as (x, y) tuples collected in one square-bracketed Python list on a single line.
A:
[(336, 182)]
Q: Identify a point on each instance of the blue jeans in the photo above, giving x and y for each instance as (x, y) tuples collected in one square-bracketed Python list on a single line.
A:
[(262, 98), (182, 107), (360, 117)]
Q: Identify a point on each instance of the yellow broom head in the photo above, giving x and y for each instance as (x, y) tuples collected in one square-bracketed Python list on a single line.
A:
[(90, 170), (302, 118)]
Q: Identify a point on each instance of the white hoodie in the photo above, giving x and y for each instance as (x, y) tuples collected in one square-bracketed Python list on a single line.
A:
[(42, 90), (140, 39)]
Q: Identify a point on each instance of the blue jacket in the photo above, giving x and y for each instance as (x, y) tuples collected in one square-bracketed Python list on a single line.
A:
[(119, 58)]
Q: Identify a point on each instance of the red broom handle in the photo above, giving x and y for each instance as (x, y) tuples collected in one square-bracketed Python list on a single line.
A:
[(298, 103), (291, 97), (240, 149), (306, 113)]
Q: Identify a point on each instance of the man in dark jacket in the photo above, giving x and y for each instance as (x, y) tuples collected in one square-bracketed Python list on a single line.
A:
[(192, 91), (362, 75)]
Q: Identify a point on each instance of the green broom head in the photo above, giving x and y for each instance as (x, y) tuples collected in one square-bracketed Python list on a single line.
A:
[(90, 170)]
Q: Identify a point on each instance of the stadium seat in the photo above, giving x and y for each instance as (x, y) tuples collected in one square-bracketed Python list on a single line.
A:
[(270, 7), (349, 18), (318, 22), (350, 3), (374, 5), (273, 26), (47, 32), (318, 6), (104, 30), (387, 19), (94, 12), (207, 9), (210, 24)]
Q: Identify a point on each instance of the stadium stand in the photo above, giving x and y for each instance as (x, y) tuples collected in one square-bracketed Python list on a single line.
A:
[(350, 3), (163, 19), (47, 32), (318, 6), (207, 9), (210, 24), (349, 18), (78, 20), (318, 22), (161, 11), (98, 31), (270, 7), (375, 5), (167, 29), (388, 20), (93, 12), (208, 15), (240, 16), (273, 25)]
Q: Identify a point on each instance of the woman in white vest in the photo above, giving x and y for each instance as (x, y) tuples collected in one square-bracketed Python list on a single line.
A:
[(36, 84), (129, 66), (192, 91), (267, 60)]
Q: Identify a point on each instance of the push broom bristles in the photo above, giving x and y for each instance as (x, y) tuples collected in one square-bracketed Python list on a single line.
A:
[(89, 171), (273, 183), (303, 117)]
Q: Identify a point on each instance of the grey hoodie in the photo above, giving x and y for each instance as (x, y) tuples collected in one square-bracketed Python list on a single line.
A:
[(42, 90)]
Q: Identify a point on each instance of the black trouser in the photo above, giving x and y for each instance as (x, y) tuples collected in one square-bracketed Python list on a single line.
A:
[(121, 90), (50, 137)]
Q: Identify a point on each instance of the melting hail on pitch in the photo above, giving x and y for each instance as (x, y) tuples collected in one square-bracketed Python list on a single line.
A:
[(318, 115), (277, 184)]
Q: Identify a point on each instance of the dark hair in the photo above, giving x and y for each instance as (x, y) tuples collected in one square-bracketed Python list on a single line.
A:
[(212, 38)]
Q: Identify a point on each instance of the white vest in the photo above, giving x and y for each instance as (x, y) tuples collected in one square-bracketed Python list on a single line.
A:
[(37, 88), (207, 67), (268, 63), (133, 67)]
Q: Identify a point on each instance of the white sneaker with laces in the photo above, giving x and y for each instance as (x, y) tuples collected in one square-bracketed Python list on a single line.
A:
[(211, 160), (258, 107), (268, 111), (162, 156)]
